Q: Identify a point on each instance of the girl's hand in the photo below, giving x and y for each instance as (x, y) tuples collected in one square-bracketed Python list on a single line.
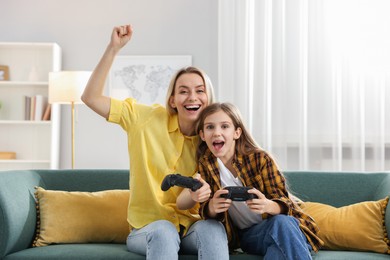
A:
[(120, 36), (218, 204), (262, 204), (203, 193)]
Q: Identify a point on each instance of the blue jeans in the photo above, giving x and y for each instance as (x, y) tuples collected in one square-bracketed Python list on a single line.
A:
[(276, 238), (160, 240)]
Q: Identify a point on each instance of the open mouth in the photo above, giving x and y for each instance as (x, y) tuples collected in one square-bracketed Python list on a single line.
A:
[(192, 107), (218, 145)]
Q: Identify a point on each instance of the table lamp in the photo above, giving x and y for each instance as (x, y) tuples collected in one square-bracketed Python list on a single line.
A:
[(66, 87)]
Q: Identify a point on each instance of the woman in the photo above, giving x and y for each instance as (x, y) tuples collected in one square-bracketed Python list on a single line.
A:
[(161, 141)]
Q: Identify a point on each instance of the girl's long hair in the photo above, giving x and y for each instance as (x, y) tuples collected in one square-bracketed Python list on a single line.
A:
[(244, 145)]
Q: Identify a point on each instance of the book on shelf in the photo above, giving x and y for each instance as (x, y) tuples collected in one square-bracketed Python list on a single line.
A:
[(47, 114), (40, 106), (35, 108), (32, 109), (27, 107)]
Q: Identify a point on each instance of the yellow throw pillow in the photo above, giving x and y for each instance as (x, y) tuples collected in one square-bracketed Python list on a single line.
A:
[(81, 217), (357, 227)]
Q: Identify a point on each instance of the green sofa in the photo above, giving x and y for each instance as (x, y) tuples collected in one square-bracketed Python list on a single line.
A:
[(18, 211)]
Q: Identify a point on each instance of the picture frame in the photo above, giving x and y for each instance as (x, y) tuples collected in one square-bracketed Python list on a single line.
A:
[(145, 78), (4, 73)]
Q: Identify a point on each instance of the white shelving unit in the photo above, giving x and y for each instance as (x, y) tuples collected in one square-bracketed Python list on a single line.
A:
[(36, 143)]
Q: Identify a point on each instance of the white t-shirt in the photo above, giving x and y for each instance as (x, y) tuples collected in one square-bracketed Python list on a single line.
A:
[(239, 212)]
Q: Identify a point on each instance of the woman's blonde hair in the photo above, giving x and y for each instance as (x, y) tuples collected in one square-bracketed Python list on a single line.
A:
[(171, 90), (244, 145)]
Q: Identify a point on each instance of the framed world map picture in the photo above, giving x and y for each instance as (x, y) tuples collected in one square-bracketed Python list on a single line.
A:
[(145, 78)]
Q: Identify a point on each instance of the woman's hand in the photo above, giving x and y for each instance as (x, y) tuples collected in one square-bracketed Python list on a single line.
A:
[(262, 204), (120, 36), (203, 193)]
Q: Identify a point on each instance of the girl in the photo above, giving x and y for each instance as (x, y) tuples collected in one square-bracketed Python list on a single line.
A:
[(161, 141), (271, 225)]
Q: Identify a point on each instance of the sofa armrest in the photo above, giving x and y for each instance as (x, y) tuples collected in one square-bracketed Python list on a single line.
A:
[(17, 210)]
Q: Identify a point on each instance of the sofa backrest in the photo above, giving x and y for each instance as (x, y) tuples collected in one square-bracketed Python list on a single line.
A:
[(338, 188), (84, 179)]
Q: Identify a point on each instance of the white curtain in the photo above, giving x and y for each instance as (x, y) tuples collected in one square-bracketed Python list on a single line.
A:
[(311, 78)]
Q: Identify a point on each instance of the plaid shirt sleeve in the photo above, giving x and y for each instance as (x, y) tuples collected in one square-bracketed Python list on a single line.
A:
[(209, 177), (268, 179)]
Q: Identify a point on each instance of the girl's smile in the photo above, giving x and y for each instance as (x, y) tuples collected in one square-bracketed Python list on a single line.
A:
[(218, 145)]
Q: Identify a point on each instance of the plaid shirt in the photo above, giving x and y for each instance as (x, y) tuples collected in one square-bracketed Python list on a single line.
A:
[(256, 170)]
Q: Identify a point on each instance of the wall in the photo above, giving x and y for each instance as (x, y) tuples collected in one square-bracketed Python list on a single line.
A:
[(83, 28)]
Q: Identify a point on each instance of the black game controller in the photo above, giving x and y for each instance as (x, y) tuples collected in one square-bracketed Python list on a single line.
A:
[(182, 181), (238, 193)]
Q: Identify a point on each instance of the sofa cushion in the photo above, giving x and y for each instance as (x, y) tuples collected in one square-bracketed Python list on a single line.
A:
[(81, 217), (359, 226)]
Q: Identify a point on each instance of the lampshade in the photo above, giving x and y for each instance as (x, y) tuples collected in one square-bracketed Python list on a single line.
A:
[(67, 86)]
